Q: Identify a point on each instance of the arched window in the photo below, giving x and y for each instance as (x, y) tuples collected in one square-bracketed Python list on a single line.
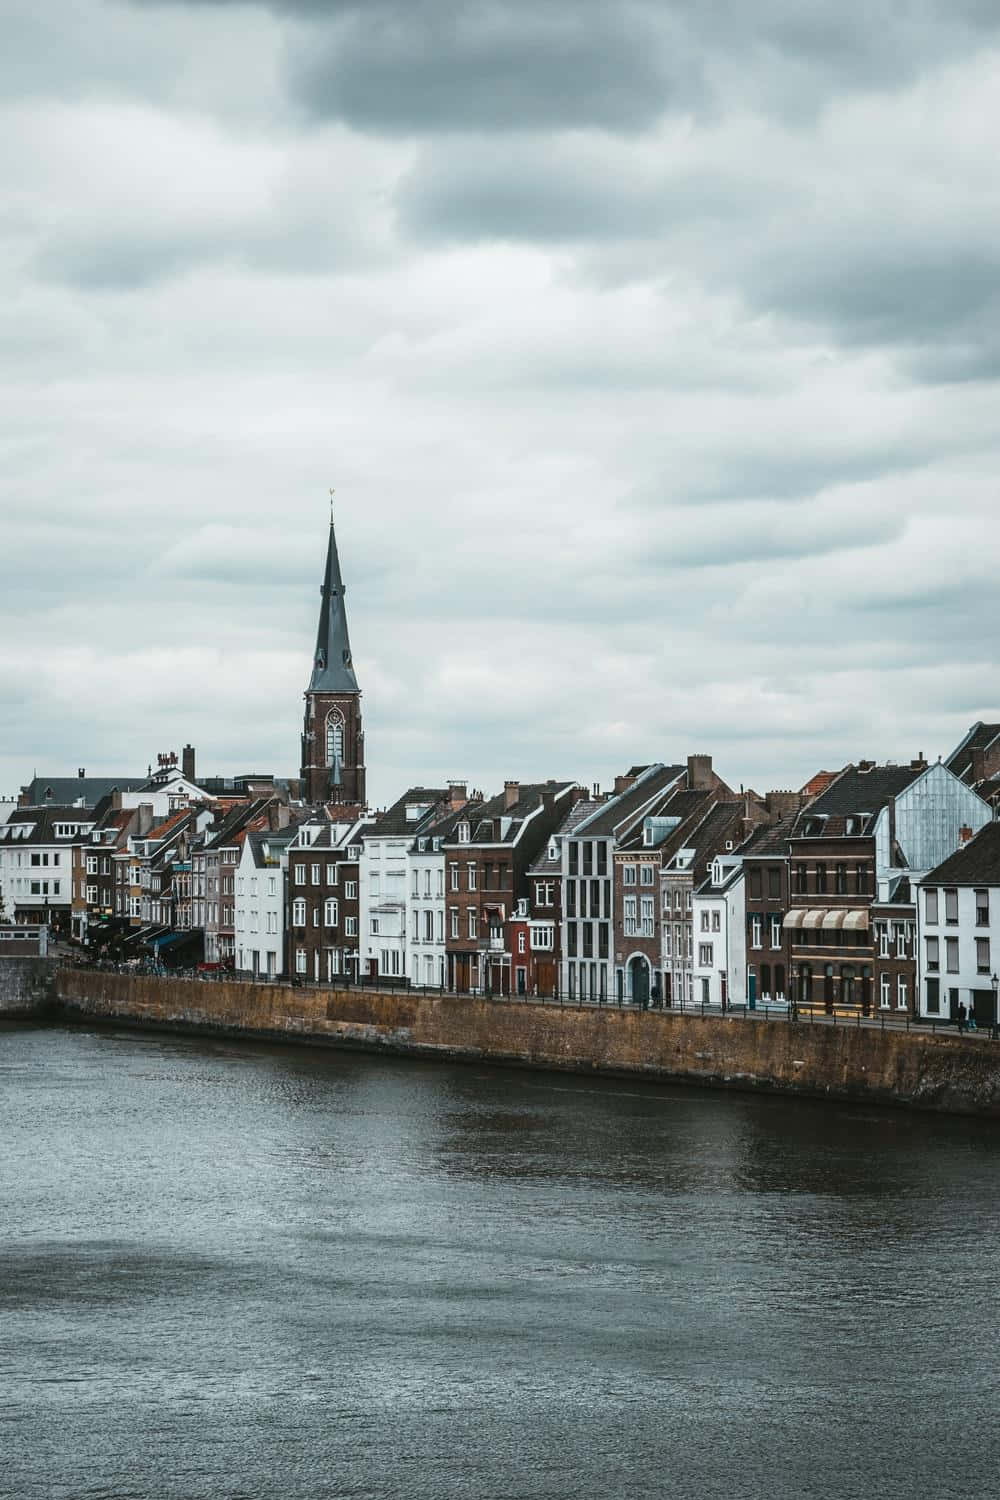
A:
[(334, 738)]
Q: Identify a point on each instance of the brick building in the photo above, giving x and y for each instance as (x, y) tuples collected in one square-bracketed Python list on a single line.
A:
[(488, 856)]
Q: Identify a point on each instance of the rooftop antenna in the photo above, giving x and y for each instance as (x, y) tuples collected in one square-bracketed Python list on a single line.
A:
[(331, 507)]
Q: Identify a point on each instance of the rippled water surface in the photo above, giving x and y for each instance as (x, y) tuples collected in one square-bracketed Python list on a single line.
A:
[(233, 1271)]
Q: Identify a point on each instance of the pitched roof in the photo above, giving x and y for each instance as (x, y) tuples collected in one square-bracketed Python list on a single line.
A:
[(485, 817), (855, 793), (581, 810), (708, 837), (975, 863), (980, 737), (333, 668), (770, 839), (618, 810), (64, 791), (394, 822)]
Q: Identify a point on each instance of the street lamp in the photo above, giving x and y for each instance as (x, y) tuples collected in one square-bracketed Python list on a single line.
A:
[(995, 1029)]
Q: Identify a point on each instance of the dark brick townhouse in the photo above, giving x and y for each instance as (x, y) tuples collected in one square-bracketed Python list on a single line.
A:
[(323, 907), (487, 859)]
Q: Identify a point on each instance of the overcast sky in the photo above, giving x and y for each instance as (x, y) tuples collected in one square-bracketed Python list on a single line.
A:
[(653, 350)]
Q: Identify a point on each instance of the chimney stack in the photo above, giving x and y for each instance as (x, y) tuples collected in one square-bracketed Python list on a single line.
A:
[(145, 820), (458, 795), (699, 776), (187, 762), (623, 783), (964, 835), (511, 794)]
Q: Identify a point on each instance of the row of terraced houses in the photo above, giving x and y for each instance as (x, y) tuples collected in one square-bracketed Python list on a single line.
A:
[(874, 888)]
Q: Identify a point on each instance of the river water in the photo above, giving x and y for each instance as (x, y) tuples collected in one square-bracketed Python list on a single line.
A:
[(239, 1271)]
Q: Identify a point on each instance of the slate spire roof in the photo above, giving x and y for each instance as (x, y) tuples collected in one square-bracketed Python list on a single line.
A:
[(333, 668)]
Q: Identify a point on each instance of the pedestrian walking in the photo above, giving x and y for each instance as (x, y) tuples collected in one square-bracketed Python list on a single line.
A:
[(961, 1016), (972, 1019)]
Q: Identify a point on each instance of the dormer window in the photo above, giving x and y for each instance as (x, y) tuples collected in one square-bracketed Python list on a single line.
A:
[(464, 833)]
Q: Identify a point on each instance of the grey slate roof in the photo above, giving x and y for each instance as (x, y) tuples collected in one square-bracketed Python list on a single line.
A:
[(393, 823), (63, 791), (855, 793), (333, 667), (976, 863), (581, 810), (629, 803), (709, 837), (980, 737)]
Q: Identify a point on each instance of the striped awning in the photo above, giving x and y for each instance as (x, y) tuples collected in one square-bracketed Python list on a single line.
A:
[(813, 919), (858, 920), (794, 917), (834, 918)]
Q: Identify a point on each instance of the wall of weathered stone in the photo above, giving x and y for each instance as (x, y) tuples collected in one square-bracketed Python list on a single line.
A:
[(27, 987), (943, 1072)]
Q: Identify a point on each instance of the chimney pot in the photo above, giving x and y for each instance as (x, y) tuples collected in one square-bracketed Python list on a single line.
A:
[(964, 835)]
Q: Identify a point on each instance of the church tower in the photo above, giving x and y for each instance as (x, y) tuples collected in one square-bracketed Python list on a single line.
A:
[(333, 742)]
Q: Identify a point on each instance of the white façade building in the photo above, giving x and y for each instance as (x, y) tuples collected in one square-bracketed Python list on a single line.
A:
[(385, 883), (426, 949), (958, 931), (36, 862), (719, 934), (260, 902)]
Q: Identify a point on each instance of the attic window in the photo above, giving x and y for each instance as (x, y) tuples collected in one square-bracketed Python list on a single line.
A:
[(463, 833)]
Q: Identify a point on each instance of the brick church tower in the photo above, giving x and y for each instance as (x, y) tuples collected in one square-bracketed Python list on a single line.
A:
[(333, 741)]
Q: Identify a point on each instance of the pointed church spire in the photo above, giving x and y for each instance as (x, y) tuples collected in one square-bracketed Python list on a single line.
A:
[(333, 668)]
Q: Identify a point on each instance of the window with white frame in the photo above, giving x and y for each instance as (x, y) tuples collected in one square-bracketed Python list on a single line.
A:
[(931, 907), (300, 960), (668, 947), (331, 912), (706, 920), (453, 928), (716, 921), (628, 874), (775, 931), (331, 874), (350, 890), (630, 904), (884, 992), (705, 955), (933, 955), (300, 874), (299, 913), (883, 940), (900, 940), (646, 873), (902, 992), (522, 941), (543, 937), (473, 918), (351, 927), (982, 908), (374, 928), (453, 874), (464, 833), (647, 915), (982, 955), (472, 875), (756, 931)]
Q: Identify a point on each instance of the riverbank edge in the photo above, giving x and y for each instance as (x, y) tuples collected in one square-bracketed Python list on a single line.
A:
[(946, 1074)]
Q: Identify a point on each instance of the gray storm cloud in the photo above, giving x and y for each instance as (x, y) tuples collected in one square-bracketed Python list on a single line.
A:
[(652, 351)]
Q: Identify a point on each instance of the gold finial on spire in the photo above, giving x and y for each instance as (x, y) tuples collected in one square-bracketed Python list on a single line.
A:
[(331, 507)]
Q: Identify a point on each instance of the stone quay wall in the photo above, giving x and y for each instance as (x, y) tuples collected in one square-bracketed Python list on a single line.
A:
[(914, 1069), (27, 988)]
